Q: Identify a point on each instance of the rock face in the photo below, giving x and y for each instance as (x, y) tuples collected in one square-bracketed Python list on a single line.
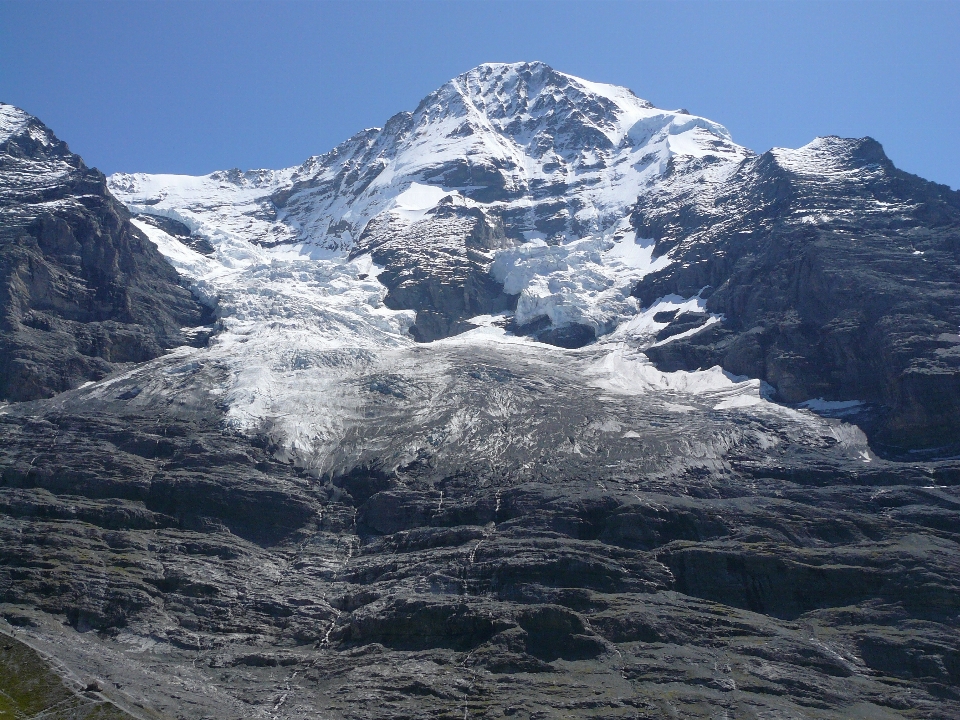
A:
[(838, 277), (573, 552), (426, 468), (439, 266), (81, 289)]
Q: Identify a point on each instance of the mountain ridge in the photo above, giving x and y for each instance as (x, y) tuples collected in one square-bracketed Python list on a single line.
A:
[(79, 283), (470, 439)]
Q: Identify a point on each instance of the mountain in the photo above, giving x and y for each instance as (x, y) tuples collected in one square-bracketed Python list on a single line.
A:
[(838, 277), (537, 158), (81, 289), (816, 252), (537, 402)]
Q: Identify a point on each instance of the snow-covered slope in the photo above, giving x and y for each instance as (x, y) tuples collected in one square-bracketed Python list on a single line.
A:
[(555, 161), (559, 156), (501, 204)]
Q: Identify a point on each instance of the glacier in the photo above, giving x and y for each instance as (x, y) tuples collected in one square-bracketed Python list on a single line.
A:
[(301, 313)]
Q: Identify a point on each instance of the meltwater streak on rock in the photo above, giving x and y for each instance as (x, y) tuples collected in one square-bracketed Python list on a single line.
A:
[(316, 514)]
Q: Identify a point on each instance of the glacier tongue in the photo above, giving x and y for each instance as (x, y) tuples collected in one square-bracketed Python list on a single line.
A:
[(509, 175), (294, 321)]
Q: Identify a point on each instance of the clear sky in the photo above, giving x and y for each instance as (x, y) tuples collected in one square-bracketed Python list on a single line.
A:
[(192, 87)]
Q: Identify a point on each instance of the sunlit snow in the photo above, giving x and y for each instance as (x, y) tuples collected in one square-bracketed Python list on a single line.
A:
[(297, 318)]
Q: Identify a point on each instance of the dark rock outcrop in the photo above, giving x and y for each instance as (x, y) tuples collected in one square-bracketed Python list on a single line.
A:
[(439, 267), (838, 277), (81, 289)]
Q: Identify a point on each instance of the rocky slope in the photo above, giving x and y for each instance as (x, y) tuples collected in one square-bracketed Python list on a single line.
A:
[(81, 289), (838, 277), (552, 549), (426, 467)]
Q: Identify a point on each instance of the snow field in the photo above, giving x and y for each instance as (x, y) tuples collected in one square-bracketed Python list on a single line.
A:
[(302, 326)]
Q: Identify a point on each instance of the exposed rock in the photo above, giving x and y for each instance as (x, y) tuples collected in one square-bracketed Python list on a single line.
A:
[(145, 545), (81, 289), (439, 266), (837, 278)]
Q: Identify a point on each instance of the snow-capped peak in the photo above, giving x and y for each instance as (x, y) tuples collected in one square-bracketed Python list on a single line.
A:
[(12, 121), (15, 122), (824, 157), (558, 156)]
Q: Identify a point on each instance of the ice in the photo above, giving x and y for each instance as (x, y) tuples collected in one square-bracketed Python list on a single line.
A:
[(690, 142), (636, 253), (626, 370), (223, 206), (300, 323), (833, 408), (739, 401), (586, 281), (414, 202), (294, 320)]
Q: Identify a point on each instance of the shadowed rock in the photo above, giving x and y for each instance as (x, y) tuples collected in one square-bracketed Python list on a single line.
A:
[(81, 289)]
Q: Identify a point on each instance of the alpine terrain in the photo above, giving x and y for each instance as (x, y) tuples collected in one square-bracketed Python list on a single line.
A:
[(537, 402)]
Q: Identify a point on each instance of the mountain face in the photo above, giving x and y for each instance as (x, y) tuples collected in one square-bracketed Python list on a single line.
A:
[(838, 277), (543, 158), (538, 401), (81, 289)]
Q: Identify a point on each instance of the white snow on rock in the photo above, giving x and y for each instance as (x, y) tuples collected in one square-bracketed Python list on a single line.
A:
[(12, 121), (521, 126), (414, 202), (29, 179), (823, 158), (562, 157), (566, 159)]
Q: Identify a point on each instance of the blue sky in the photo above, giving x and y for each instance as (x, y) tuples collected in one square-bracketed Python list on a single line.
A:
[(196, 86)]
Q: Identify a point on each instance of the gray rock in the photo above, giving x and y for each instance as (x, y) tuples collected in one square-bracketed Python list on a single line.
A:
[(147, 547), (81, 289), (836, 275)]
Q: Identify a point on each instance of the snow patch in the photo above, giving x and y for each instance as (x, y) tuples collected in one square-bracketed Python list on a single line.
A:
[(12, 121), (414, 202)]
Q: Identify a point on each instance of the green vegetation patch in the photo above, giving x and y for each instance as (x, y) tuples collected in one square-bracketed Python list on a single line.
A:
[(28, 688)]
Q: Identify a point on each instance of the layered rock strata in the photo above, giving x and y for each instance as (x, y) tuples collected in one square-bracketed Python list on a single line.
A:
[(81, 289)]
